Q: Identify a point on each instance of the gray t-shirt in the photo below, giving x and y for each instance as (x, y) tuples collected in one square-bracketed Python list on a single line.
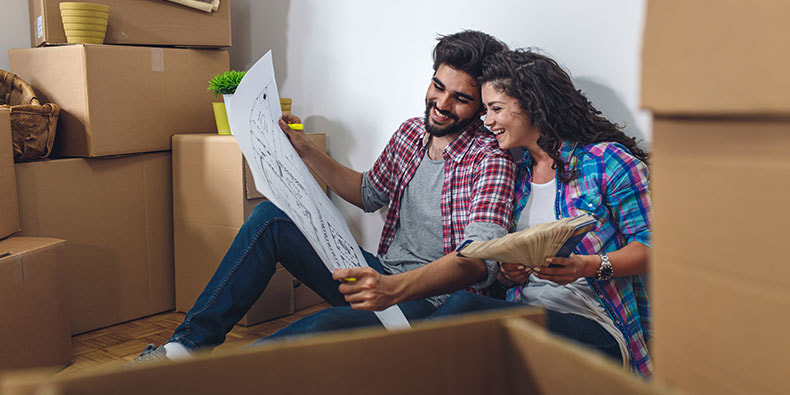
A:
[(418, 236)]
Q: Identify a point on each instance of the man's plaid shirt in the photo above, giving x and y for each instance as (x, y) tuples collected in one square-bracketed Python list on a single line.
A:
[(478, 180)]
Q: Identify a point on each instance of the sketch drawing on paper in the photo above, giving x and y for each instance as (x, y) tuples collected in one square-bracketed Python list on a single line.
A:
[(281, 176)]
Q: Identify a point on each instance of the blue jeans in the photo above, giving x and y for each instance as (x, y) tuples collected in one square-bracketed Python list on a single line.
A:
[(569, 326), (267, 237)]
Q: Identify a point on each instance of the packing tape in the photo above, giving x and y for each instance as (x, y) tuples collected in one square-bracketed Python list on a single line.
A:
[(158, 60)]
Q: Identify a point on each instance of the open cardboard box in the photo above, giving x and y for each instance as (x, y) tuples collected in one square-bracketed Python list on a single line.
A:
[(495, 353)]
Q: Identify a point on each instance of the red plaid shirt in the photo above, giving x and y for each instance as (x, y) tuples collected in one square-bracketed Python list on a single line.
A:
[(478, 179)]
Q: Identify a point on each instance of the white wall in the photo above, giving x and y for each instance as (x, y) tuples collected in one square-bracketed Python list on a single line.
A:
[(14, 28), (356, 69)]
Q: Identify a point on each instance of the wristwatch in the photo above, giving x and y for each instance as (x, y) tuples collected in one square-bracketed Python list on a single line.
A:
[(605, 271)]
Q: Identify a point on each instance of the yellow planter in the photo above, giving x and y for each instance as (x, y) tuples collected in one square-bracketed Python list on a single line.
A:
[(221, 117), (84, 23)]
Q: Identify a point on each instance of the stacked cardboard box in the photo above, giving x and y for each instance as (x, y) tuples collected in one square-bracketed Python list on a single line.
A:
[(116, 215), (714, 74), (111, 200), (501, 353), (213, 193), (9, 210), (158, 23), (33, 304)]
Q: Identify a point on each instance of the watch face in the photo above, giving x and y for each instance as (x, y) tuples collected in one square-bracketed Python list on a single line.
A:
[(605, 272)]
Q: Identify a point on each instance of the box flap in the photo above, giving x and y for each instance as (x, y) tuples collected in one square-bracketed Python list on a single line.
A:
[(716, 57), (24, 245)]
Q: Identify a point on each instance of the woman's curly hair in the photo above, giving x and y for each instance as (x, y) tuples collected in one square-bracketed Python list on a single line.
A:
[(555, 107)]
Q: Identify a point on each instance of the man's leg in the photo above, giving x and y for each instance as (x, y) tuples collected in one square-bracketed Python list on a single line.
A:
[(344, 317), (267, 237)]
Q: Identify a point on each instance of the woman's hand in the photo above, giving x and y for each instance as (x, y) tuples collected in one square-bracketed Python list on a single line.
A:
[(515, 272), (569, 269)]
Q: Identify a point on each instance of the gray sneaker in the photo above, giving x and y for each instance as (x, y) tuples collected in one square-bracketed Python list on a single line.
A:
[(149, 354)]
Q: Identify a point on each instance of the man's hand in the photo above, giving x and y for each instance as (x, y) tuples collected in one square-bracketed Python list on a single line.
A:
[(568, 269), (370, 290), (300, 142)]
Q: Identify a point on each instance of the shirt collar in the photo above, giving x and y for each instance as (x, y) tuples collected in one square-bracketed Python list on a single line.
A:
[(456, 149)]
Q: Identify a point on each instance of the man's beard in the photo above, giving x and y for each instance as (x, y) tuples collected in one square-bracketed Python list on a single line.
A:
[(455, 127)]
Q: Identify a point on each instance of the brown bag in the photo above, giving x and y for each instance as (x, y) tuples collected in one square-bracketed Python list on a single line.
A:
[(33, 125)]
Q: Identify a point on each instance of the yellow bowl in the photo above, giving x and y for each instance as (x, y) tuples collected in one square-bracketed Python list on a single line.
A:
[(86, 33), (85, 26), (88, 13), (72, 5), (84, 40), (84, 19)]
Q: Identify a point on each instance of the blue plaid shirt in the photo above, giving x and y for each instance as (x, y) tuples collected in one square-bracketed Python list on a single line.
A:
[(612, 186)]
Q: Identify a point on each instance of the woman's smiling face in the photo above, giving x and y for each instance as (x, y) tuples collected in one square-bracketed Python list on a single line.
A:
[(507, 120)]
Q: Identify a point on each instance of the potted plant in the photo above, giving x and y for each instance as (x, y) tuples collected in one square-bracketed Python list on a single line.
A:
[(224, 84)]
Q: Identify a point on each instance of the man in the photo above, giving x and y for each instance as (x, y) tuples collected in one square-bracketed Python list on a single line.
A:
[(445, 181)]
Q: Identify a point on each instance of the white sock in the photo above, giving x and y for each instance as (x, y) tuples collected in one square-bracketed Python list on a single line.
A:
[(176, 351)]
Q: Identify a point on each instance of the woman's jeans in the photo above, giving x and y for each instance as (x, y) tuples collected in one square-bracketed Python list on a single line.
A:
[(267, 237), (569, 326)]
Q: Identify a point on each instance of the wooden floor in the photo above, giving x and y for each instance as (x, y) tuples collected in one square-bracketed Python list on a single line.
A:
[(119, 344)]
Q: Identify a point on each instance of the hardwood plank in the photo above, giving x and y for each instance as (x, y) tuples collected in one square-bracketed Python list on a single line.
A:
[(120, 343)]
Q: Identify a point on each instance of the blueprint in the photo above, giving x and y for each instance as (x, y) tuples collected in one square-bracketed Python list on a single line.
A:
[(281, 176)]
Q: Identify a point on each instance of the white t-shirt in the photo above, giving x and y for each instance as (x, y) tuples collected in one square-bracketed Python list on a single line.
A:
[(575, 298)]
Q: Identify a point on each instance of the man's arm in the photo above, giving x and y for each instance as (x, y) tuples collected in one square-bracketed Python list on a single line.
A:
[(345, 182), (374, 291)]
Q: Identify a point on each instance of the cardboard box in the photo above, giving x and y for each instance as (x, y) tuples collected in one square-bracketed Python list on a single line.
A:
[(117, 216), (212, 197), (489, 354), (121, 99), (140, 22), (721, 284), (716, 57), (304, 297), (33, 304), (9, 209)]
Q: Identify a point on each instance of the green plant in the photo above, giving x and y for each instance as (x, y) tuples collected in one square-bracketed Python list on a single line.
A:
[(225, 83)]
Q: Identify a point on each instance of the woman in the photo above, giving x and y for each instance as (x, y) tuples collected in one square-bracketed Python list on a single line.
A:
[(576, 162)]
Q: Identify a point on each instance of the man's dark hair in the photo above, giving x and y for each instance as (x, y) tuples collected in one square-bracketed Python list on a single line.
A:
[(465, 51)]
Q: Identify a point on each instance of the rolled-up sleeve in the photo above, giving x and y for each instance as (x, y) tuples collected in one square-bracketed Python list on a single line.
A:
[(492, 206)]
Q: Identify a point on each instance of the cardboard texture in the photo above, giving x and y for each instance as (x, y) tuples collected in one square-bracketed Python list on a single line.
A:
[(720, 284), (9, 208), (140, 22), (304, 296), (491, 354), (210, 203), (117, 217), (122, 99), (716, 57), (33, 304)]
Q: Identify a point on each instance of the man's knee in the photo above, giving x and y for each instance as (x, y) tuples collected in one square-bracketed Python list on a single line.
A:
[(265, 211)]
